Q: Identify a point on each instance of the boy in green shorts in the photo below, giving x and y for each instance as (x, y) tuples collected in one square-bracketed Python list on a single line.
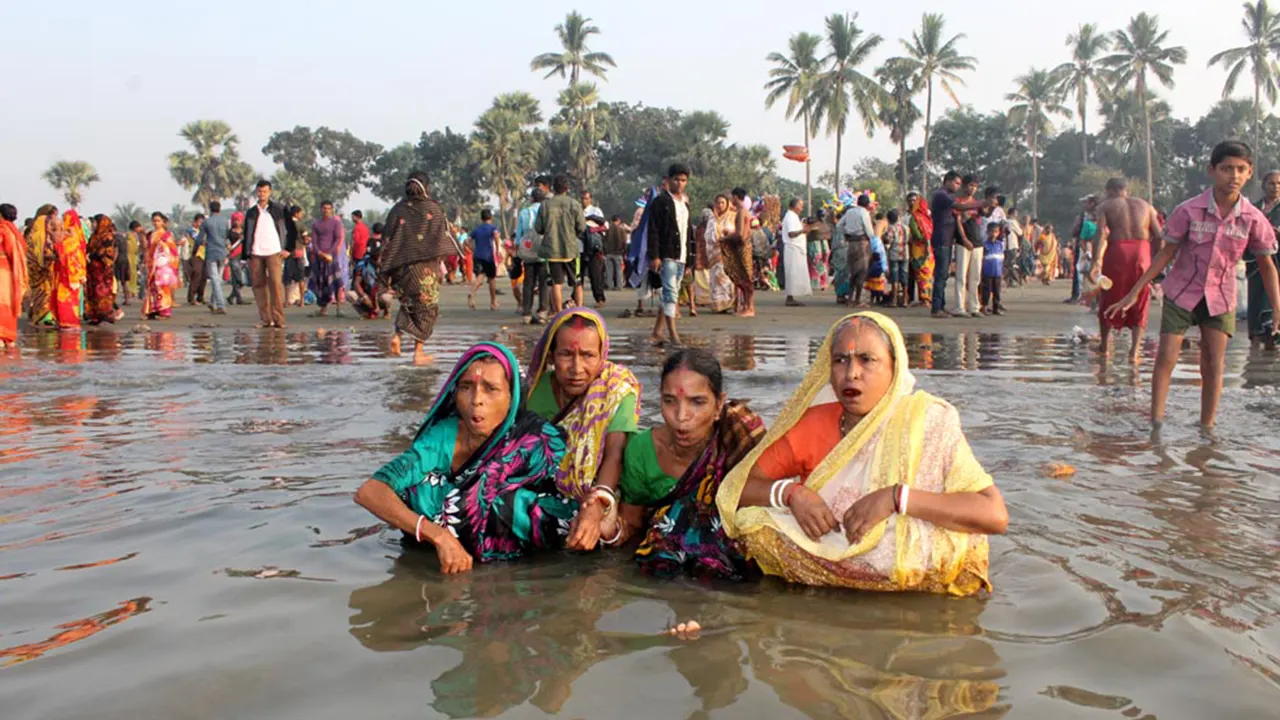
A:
[(1205, 239)]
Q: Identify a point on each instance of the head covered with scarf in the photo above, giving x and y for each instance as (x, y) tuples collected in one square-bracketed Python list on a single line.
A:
[(910, 438), (502, 501), (586, 419)]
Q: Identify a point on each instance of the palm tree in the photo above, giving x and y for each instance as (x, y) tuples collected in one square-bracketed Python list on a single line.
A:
[(71, 177), (125, 214), (1262, 28), (1037, 97), (213, 166), (522, 104), (574, 56), (1140, 50), (899, 112), (503, 149), (292, 189), (586, 122), (1123, 119), (179, 216), (842, 89), (931, 58), (1083, 73), (705, 131), (794, 77)]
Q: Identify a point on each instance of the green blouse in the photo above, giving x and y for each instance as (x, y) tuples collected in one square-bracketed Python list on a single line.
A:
[(643, 482), (543, 402)]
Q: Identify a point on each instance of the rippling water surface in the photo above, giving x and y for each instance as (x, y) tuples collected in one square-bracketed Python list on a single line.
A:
[(177, 539)]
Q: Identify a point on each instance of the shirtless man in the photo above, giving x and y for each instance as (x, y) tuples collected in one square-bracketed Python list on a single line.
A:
[(1126, 226)]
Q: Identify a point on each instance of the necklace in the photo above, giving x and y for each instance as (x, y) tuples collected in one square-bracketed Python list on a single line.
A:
[(845, 425)]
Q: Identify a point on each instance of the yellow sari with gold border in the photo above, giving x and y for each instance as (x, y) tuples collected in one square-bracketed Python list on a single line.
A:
[(911, 438)]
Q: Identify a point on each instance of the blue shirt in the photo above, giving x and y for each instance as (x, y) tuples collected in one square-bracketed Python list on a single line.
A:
[(993, 259), (213, 235), (482, 238)]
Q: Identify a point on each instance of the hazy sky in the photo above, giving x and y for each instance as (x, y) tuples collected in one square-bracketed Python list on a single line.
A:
[(111, 83)]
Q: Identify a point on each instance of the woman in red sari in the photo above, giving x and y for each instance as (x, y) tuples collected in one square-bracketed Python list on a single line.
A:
[(162, 270), (68, 271), (100, 287), (13, 275), (920, 226)]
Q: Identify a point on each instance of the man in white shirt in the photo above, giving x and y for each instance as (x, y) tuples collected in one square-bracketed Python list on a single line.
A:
[(795, 257), (267, 243)]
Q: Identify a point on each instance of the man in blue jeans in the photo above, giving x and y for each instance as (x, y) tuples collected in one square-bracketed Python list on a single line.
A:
[(668, 238), (943, 206), (213, 235)]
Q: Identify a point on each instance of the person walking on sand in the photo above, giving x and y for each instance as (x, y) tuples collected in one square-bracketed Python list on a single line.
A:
[(668, 235), (415, 240), (213, 237), (560, 223), (484, 242), (1122, 253), (1205, 238), (266, 243), (795, 257), (327, 246)]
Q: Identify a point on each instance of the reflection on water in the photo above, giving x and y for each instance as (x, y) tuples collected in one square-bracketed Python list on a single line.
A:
[(213, 472)]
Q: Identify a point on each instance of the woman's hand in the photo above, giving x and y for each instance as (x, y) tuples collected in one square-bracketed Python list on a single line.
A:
[(1121, 307), (870, 510), (811, 512), (454, 558), (584, 533)]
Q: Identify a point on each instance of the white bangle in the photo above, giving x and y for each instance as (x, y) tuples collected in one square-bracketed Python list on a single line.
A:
[(616, 536), (778, 492), (906, 494), (417, 533), (611, 498)]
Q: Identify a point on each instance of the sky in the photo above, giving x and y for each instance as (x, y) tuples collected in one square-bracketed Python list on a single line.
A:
[(132, 72)]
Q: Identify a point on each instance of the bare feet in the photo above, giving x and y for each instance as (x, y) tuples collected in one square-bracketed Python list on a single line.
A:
[(656, 340), (471, 301), (395, 346), (686, 630), (747, 314), (422, 358)]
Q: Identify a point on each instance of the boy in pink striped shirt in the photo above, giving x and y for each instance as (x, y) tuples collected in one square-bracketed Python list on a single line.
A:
[(1205, 238)]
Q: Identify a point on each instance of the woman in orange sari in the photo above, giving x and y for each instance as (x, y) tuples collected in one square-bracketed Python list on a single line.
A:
[(920, 227), (68, 271), (100, 286), (42, 234), (162, 270), (13, 275)]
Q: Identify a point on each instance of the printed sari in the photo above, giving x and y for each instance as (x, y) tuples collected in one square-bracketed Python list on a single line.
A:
[(587, 419), (909, 438), (13, 279), (502, 504), (922, 262), (40, 238), (722, 291), (416, 239), (100, 286), (162, 275), (735, 249), (68, 271), (685, 534)]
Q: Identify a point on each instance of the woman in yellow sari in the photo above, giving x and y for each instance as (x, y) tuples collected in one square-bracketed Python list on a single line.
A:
[(1048, 255), (42, 234), (865, 482)]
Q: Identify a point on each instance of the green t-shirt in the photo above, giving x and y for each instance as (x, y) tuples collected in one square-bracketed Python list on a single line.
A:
[(643, 482), (543, 402)]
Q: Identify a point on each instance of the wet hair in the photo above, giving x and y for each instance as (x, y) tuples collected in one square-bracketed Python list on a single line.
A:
[(951, 175), (560, 184), (538, 195), (486, 215), (859, 322), (158, 214), (698, 361), (264, 183), (135, 225), (416, 185), (8, 212), (197, 218), (1231, 149), (864, 201), (377, 228), (357, 214), (893, 216), (678, 169), (579, 322), (792, 203)]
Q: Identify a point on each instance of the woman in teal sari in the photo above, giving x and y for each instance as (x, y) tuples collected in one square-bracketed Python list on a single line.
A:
[(478, 482)]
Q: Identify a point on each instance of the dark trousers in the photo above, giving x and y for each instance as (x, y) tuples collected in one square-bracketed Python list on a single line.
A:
[(193, 272), (535, 280), (941, 270), (592, 268), (989, 292), (1075, 272)]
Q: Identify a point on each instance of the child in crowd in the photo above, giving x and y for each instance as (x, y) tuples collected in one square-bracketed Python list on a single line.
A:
[(895, 246), (992, 270), (875, 283)]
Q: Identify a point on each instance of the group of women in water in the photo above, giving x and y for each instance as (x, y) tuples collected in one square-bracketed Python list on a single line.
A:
[(862, 482)]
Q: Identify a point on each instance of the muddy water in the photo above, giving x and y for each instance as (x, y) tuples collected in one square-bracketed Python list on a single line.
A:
[(177, 539)]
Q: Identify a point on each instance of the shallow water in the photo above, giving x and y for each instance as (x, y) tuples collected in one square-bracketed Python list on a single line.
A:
[(177, 539)]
